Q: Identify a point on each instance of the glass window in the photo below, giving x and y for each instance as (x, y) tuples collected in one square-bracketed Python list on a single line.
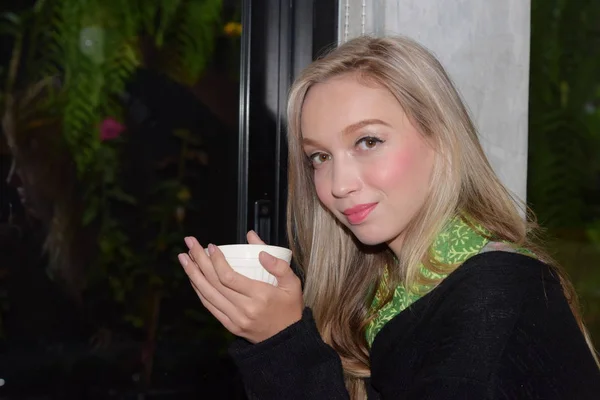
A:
[(564, 141), (120, 137)]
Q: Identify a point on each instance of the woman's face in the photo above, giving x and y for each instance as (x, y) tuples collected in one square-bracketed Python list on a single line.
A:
[(372, 168)]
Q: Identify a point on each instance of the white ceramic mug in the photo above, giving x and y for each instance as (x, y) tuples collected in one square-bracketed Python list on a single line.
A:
[(243, 258)]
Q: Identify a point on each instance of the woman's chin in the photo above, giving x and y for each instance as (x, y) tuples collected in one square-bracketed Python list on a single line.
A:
[(370, 240), (374, 237)]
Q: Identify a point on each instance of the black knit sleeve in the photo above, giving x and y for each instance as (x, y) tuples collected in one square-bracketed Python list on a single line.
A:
[(294, 364)]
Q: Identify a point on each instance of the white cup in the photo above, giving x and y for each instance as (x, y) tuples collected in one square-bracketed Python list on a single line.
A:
[(243, 258)]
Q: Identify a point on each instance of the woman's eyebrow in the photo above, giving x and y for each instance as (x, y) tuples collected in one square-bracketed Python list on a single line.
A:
[(349, 129), (361, 124)]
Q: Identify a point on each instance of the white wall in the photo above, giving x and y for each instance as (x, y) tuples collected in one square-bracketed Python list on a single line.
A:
[(484, 46)]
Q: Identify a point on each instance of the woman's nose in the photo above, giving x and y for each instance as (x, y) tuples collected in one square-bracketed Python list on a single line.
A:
[(345, 179)]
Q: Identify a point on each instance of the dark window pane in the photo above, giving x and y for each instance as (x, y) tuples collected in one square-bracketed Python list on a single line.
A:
[(564, 141), (123, 138)]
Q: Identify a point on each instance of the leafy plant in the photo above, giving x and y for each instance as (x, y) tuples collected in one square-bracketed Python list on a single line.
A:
[(564, 115), (76, 57), (564, 139)]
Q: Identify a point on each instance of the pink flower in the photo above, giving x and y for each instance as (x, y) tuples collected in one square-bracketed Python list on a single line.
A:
[(110, 129)]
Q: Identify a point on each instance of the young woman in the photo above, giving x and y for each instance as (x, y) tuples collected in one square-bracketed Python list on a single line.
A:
[(421, 279)]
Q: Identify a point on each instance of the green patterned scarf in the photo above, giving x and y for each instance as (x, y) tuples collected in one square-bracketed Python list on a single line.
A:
[(454, 245)]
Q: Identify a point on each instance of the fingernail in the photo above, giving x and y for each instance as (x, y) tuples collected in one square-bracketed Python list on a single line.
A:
[(211, 249), (268, 257), (182, 259), (189, 242)]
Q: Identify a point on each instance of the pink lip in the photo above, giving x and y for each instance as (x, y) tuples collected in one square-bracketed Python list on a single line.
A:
[(359, 213)]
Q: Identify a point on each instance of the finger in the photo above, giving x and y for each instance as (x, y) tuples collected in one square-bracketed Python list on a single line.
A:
[(220, 316), (199, 256), (207, 266), (233, 326), (232, 279), (253, 238), (279, 269), (208, 291)]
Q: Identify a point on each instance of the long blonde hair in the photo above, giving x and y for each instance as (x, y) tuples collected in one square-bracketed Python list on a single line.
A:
[(339, 272)]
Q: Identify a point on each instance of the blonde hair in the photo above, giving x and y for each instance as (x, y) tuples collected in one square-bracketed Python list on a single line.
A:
[(339, 272)]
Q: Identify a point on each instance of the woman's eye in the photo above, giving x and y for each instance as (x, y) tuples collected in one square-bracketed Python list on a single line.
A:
[(318, 158), (368, 143)]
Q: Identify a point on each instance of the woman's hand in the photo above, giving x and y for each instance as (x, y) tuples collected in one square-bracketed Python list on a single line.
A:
[(248, 308)]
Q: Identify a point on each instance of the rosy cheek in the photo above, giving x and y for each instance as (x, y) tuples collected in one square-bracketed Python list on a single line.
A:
[(396, 168)]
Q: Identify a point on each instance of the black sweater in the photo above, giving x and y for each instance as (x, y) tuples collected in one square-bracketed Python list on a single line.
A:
[(499, 327)]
